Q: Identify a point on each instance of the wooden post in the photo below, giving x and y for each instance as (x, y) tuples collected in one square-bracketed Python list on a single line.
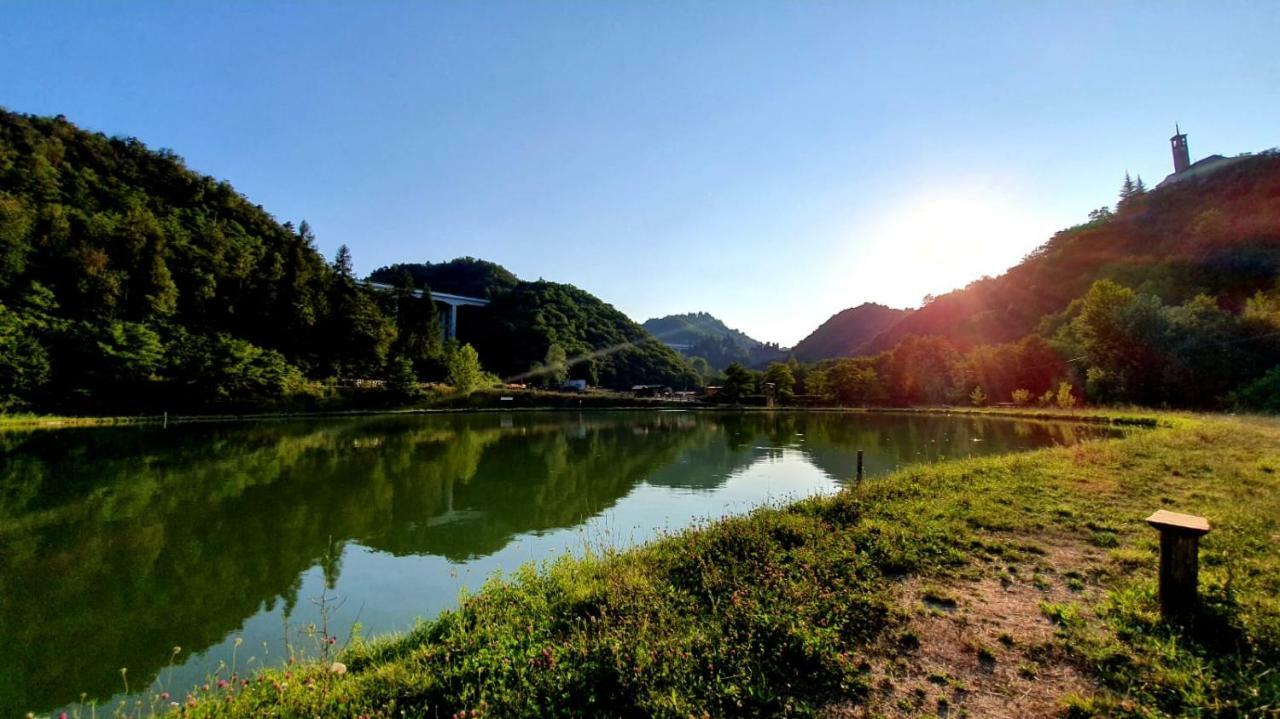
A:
[(859, 465), (1179, 561)]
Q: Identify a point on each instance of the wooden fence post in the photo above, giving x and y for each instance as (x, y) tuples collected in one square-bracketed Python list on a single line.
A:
[(1179, 561), (859, 475)]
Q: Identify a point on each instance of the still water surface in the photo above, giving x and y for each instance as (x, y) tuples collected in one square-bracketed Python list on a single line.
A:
[(116, 544)]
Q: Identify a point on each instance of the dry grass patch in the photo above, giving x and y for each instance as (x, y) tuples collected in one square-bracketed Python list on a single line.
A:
[(982, 647)]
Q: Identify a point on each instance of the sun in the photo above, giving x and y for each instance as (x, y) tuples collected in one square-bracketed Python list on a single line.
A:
[(941, 240)]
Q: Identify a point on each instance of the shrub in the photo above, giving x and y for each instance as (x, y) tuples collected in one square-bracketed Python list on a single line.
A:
[(463, 368), (1066, 400), (1263, 394)]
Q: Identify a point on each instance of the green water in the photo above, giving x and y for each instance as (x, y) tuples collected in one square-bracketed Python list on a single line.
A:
[(117, 544)]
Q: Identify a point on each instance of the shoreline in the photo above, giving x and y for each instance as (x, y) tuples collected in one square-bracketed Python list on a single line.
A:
[(1090, 415)]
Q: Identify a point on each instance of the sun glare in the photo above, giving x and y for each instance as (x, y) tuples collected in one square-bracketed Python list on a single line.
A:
[(942, 240)]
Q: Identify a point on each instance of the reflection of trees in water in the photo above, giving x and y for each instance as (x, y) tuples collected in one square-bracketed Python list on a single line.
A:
[(115, 545), (896, 440)]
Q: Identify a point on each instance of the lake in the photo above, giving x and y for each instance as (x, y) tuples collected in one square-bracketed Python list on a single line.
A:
[(118, 544)]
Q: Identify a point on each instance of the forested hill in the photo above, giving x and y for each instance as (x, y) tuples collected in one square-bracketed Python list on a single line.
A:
[(706, 336), (530, 324), (691, 327), (465, 276), (129, 282), (1217, 235), (847, 333)]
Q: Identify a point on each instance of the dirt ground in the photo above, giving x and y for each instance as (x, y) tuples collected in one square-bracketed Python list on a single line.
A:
[(980, 646)]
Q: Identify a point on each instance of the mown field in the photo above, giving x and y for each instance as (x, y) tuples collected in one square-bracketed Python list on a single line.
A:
[(1021, 585)]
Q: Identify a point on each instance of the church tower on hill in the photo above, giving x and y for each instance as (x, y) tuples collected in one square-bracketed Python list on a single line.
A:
[(1181, 153)]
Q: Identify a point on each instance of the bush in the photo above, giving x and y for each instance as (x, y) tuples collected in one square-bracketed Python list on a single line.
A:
[(463, 371), (978, 397), (1263, 394), (1066, 400)]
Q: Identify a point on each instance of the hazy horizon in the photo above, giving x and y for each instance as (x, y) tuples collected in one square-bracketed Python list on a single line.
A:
[(768, 163)]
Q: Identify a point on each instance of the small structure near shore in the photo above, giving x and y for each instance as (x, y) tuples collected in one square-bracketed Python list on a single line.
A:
[(1179, 561)]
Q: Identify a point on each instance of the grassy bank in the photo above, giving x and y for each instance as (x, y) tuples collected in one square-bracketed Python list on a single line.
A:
[(894, 598)]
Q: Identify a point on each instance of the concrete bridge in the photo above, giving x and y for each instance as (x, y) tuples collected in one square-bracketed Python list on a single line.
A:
[(454, 302)]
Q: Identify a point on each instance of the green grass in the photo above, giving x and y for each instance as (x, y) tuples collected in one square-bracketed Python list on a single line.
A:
[(775, 613)]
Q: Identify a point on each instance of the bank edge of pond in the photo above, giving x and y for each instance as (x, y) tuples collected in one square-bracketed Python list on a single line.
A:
[(1119, 417), (792, 610)]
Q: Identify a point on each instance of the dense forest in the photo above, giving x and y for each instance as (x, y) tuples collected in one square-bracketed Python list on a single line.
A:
[(129, 282)]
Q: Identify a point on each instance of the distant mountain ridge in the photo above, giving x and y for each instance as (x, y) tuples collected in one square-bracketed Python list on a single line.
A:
[(690, 327), (700, 334), (848, 332)]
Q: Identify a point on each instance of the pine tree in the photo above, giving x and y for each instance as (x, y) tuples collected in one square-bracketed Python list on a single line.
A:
[(342, 261), (1139, 187), (1127, 189)]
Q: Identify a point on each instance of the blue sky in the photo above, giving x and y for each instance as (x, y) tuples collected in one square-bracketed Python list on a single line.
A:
[(768, 162)]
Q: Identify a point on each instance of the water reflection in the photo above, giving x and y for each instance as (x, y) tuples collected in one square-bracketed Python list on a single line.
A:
[(118, 543)]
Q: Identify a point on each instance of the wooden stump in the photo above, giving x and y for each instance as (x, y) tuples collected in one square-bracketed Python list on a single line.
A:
[(1179, 561)]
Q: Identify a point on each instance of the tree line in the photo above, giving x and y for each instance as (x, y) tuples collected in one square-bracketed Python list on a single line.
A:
[(1113, 345)]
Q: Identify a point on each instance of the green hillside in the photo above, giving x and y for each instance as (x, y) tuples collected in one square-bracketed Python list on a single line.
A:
[(692, 327), (1173, 298), (130, 283), (1218, 235), (463, 276), (518, 329), (847, 333), (703, 335)]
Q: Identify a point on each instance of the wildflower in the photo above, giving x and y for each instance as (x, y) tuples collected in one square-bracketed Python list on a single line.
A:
[(63, 715), (222, 683), (338, 668), (164, 696)]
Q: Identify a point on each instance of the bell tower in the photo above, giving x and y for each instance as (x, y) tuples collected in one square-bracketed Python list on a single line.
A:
[(1181, 154)]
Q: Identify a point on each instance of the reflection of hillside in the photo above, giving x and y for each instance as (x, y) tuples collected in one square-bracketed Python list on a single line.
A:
[(915, 438), (114, 546), (725, 444), (532, 482)]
